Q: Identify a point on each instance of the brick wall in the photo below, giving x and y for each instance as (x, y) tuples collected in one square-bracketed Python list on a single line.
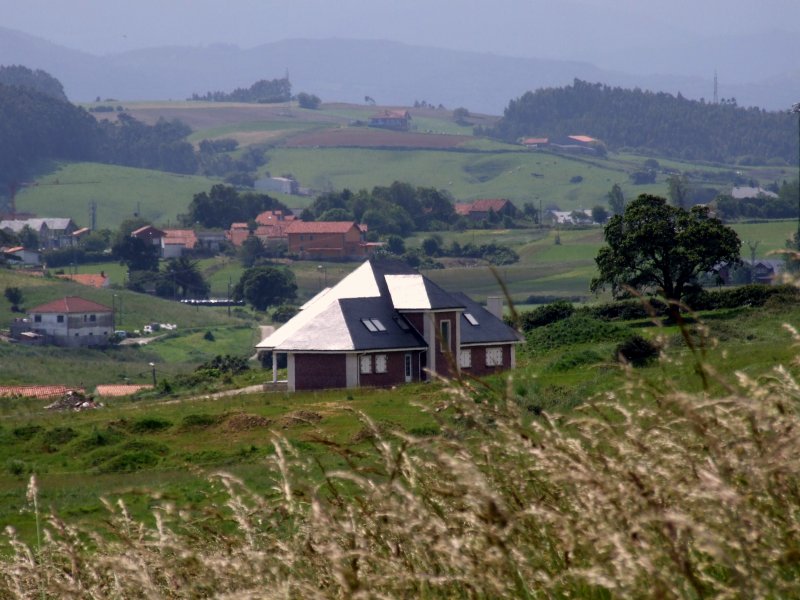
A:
[(395, 370), (319, 371), (479, 360)]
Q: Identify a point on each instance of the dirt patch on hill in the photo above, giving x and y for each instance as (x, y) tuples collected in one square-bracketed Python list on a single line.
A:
[(298, 417), (246, 422), (363, 137)]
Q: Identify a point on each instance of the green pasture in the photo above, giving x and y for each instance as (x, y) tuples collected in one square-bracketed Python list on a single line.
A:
[(520, 175), (68, 189)]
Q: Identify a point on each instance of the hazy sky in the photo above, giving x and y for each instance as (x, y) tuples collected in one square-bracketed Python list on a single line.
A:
[(553, 28)]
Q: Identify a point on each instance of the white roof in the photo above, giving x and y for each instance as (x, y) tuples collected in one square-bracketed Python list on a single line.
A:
[(408, 292), (360, 283)]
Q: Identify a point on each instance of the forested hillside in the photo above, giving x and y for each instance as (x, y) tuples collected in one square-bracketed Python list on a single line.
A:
[(38, 80), (35, 126), (656, 122), (263, 91)]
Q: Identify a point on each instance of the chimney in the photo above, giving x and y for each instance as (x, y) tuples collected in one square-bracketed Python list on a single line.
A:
[(494, 304)]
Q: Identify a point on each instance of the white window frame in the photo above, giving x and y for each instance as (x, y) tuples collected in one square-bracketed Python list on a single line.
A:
[(465, 358), (494, 356), (381, 363), (365, 364)]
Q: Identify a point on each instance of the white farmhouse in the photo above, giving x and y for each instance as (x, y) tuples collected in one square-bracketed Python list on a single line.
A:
[(72, 321)]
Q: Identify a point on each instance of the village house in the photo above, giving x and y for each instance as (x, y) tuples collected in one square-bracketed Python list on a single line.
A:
[(535, 142), (480, 210), (271, 226), (53, 233), (386, 324), (399, 120), (328, 240), (282, 185), (71, 321), (17, 255), (176, 242)]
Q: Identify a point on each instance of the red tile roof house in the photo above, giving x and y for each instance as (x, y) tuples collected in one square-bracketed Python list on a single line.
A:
[(328, 240), (238, 233), (385, 324), (150, 234), (177, 241), (479, 209), (72, 321)]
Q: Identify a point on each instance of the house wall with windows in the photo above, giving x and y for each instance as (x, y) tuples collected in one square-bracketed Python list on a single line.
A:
[(72, 322)]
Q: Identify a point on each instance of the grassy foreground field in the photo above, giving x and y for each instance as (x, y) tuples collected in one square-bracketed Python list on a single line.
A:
[(572, 454)]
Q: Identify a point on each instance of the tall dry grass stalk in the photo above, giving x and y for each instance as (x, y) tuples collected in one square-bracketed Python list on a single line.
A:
[(649, 492)]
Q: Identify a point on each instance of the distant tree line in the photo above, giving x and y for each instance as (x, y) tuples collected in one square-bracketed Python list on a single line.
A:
[(657, 122), (225, 204), (264, 91), (784, 206), (38, 80), (38, 126), (398, 209)]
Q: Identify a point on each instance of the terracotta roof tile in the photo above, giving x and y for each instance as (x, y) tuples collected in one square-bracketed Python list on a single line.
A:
[(70, 304), (185, 237), (320, 227), (37, 391), (120, 390)]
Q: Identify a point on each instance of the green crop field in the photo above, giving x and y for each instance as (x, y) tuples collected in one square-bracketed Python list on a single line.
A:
[(68, 189)]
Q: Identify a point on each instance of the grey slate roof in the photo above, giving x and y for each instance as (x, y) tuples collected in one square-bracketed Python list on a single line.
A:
[(333, 320), (489, 329)]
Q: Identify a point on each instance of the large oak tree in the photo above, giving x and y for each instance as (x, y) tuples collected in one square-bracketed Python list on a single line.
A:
[(655, 247)]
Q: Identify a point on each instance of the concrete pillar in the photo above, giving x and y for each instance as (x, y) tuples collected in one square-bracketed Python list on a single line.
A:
[(274, 367)]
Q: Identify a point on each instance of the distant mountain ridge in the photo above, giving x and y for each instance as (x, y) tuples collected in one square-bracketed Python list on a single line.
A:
[(348, 70)]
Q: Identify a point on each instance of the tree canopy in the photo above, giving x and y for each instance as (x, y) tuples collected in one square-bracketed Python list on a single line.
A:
[(659, 122), (266, 286), (224, 205), (655, 247)]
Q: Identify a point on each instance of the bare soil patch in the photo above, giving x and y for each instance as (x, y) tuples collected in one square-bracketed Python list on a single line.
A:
[(298, 417), (246, 422)]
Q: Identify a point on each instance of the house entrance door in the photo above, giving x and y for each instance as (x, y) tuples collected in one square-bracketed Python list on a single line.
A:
[(409, 369)]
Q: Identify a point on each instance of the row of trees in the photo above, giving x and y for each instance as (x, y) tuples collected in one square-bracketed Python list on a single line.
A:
[(265, 91), (398, 209), (224, 205), (658, 122)]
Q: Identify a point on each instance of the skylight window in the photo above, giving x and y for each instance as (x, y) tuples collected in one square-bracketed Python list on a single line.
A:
[(373, 325), (401, 323), (470, 319)]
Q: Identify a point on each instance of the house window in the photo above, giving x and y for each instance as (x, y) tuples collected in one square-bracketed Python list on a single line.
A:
[(401, 323), (470, 319), (60, 318), (380, 363), (494, 357), (93, 317), (444, 335), (465, 359), (37, 318), (366, 365), (373, 325)]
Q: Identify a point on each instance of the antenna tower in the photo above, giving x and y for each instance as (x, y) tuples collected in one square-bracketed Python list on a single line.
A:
[(716, 88)]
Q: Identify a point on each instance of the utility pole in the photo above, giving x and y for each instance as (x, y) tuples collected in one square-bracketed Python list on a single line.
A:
[(796, 110), (229, 295)]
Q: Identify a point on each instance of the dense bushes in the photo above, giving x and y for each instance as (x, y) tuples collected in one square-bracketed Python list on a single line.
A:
[(577, 329)]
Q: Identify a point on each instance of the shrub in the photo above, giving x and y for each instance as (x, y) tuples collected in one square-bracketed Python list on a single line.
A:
[(545, 315), (284, 312), (637, 351), (150, 425), (58, 436), (26, 432), (199, 421), (130, 461), (577, 329)]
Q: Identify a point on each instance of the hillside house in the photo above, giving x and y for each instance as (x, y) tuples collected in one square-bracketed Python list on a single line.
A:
[(386, 324), (238, 233), (272, 226), (328, 240), (282, 185), (481, 210), (71, 321), (17, 255), (398, 120), (176, 242), (150, 234), (742, 192), (535, 142), (53, 232)]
